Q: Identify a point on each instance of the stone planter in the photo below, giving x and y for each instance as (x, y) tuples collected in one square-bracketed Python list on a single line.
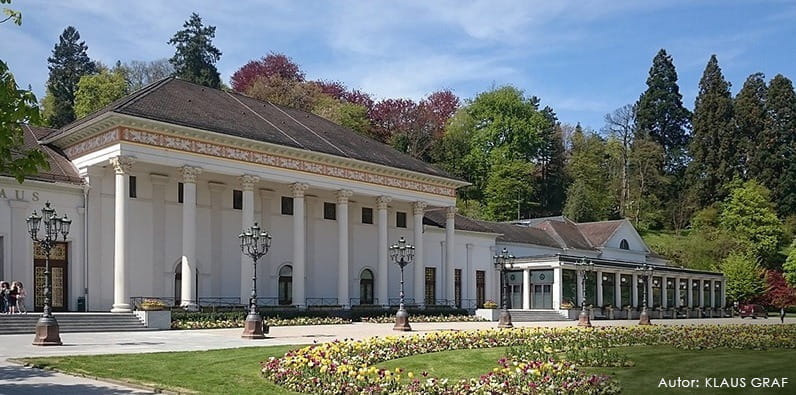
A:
[(159, 319), (488, 314)]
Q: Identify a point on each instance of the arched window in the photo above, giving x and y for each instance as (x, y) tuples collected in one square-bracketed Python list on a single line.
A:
[(624, 245), (366, 287), (286, 285), (178, 284)]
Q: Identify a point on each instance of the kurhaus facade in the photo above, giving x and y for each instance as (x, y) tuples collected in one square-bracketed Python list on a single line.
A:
[(160, 183)]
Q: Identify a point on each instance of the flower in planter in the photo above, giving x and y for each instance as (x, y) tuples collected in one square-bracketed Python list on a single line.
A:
[(152, 305), (490, 304)]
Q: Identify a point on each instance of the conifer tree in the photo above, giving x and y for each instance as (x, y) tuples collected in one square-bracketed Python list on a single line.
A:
[(750, 119), (196, 57), (660, 114), (777, 145), (714, 142), (69, 62)]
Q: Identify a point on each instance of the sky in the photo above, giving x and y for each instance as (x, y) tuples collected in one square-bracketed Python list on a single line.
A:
[(582, 58)]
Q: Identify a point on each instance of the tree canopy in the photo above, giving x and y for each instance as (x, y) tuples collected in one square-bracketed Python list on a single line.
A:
[(195, 57), (97, 91), (68, 63)]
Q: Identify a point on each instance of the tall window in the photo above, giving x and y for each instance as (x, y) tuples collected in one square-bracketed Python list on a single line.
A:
[(569, 287), (400, 219), (591, 288), (683, 293), (656, 291), (625, 288), (367, 215), (480, 288), (609, 289), (624, 245), (706, 294), (366, 287), (431, 286), (180, 192), (287, 205), (457, 287), (670, 287), (132, 187), (329, 211), (237, 199), (285, 285), (695, 292), (717, 292)]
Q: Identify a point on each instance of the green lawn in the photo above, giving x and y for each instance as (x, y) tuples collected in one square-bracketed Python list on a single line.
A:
[(237, 370)]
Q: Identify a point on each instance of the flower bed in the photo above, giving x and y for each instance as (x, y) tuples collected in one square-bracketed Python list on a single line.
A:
[(239, 322), (347, 366), (384, 319)]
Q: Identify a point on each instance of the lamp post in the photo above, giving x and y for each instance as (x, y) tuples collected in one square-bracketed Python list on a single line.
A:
[(254, 243), (402, 254), (583, 267), (501, 261), (645, 271), (47, 330)]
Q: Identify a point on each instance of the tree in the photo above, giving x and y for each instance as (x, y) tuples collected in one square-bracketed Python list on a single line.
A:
[(195, 57), (272, 65), (646, 180), (748, 215), (96, 91), (69, 62), (660, 114), (789, 267), (714, 141), (350, 115), (778, 293), (289, 93), (587, 199), (621, 124), (509, 185), (777, 145), (551, 176), (750, 119), (17, 106), (139, 74), (744, 277), (11, 15)]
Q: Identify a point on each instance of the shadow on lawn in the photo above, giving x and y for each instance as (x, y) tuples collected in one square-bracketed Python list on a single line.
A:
[(22, 380)]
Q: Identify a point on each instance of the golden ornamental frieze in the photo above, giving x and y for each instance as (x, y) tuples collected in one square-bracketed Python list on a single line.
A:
[(218, 150)]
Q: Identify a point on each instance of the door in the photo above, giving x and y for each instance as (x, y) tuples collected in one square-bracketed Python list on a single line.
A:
[(58, 274), (480, 288), (431, 286), (542, 296)]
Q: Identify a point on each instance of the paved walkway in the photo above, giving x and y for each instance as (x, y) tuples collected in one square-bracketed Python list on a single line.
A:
[(15, 379)]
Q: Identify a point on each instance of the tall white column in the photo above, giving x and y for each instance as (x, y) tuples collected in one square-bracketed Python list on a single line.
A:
[(418, 209), (526, 289), (650, 298), (581, 296), (299, 244), (342, 246), (450, 252), (712, 293), (664, 292), (634, 291), (247, 182), (468, 280), (677, 292), (557, 286), (701, 293), (618, 290), (382, 271), (188, 292), (723, 292), (599, 297), (690, 292), (158, 267), (121, 297)]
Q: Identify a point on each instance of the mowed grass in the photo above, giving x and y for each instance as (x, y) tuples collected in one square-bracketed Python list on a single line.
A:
[(238, 370)]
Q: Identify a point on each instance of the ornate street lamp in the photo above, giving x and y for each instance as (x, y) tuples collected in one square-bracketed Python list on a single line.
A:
[(402, 254), (47, 330), (583, 267), (645, 271), (254, 243), (502, 261)]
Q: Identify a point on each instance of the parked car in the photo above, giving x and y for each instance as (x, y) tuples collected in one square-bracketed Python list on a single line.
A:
[(753, 310)]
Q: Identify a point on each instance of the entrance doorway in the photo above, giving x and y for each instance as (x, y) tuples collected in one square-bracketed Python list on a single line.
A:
[(58, 274), (542, 296)]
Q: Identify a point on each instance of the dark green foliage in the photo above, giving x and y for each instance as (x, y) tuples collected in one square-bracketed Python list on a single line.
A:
[(551, 177), (748, 216), (196, 57), (69, 62), (509, 185), (587, 197), (750, 118), (777, 145), (714, 153), (660, 114)]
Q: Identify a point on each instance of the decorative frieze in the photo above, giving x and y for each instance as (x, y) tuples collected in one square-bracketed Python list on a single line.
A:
[(218, 150)]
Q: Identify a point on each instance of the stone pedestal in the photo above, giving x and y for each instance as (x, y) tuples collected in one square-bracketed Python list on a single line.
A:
[(583, 319), (47, 332), (253, 328), (402, 321), (644, 319), (505, 320)]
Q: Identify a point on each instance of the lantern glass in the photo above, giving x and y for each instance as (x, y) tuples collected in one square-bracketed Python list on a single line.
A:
[(66, 224), (47, 212), (34, 221)]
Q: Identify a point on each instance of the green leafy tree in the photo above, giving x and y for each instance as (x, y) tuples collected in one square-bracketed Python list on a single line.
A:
[(777, 145), (195, 58), (714, 142), (789, 267), (749, 217), (11, 15), (350, 115), (750, 118), (510, 184), (96, 91), (644, 207), (17, 107), (587, 199), (551, 176), (68, 63), (660, 114), (744, 277)]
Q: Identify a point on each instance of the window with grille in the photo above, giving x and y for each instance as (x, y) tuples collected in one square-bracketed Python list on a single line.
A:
[(431, 286), (132, 184), (287, 205), (400, 219), (457, 287), (367, 215), (480, 288), (329, 211), (237, 199)]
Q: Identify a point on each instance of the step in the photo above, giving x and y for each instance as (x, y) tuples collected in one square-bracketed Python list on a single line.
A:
[(73, 322)]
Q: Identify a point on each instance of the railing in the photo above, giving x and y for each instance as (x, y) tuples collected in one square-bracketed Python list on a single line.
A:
[(468, 304), (314, 302), (222, 301), (442, 303), (358, 302), (397, 301), (268, 302)]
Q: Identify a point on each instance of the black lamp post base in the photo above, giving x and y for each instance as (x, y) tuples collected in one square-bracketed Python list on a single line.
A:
[(253, 327), (644, 318), (505, 320), (584, 320), (402, 321), (47, 332)]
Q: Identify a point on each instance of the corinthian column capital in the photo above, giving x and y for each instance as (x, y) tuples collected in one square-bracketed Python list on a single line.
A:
[(382, 202), (188, 174), (419, 208), (299, 188), (247, 181), (450, 212), (343, 195), (122, 164)]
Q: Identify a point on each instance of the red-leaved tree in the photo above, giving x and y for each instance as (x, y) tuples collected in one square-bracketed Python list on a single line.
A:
[(272, 65), (778, 293)]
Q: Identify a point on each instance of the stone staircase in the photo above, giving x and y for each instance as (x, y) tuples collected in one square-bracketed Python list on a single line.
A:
[(536, 315), (73, 322)]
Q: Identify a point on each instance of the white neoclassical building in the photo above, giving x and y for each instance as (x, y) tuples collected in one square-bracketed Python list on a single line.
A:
[(160, 183)]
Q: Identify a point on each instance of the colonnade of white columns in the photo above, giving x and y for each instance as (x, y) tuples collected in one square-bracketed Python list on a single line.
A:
[(121, 296)]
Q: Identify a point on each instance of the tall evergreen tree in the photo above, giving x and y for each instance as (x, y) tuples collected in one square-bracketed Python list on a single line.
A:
[(777, 145), (660, 114), (714, 140), (69, 62), (750, 119), (551, 176), (196, 57)]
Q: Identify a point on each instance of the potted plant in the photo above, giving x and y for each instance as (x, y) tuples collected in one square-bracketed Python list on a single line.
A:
[(152, 305), (489, 312)]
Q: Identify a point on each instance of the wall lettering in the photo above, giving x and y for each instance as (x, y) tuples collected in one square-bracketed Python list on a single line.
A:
[(18, 194)]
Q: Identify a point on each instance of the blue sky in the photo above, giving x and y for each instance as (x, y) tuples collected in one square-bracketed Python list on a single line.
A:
[(583, 58)]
